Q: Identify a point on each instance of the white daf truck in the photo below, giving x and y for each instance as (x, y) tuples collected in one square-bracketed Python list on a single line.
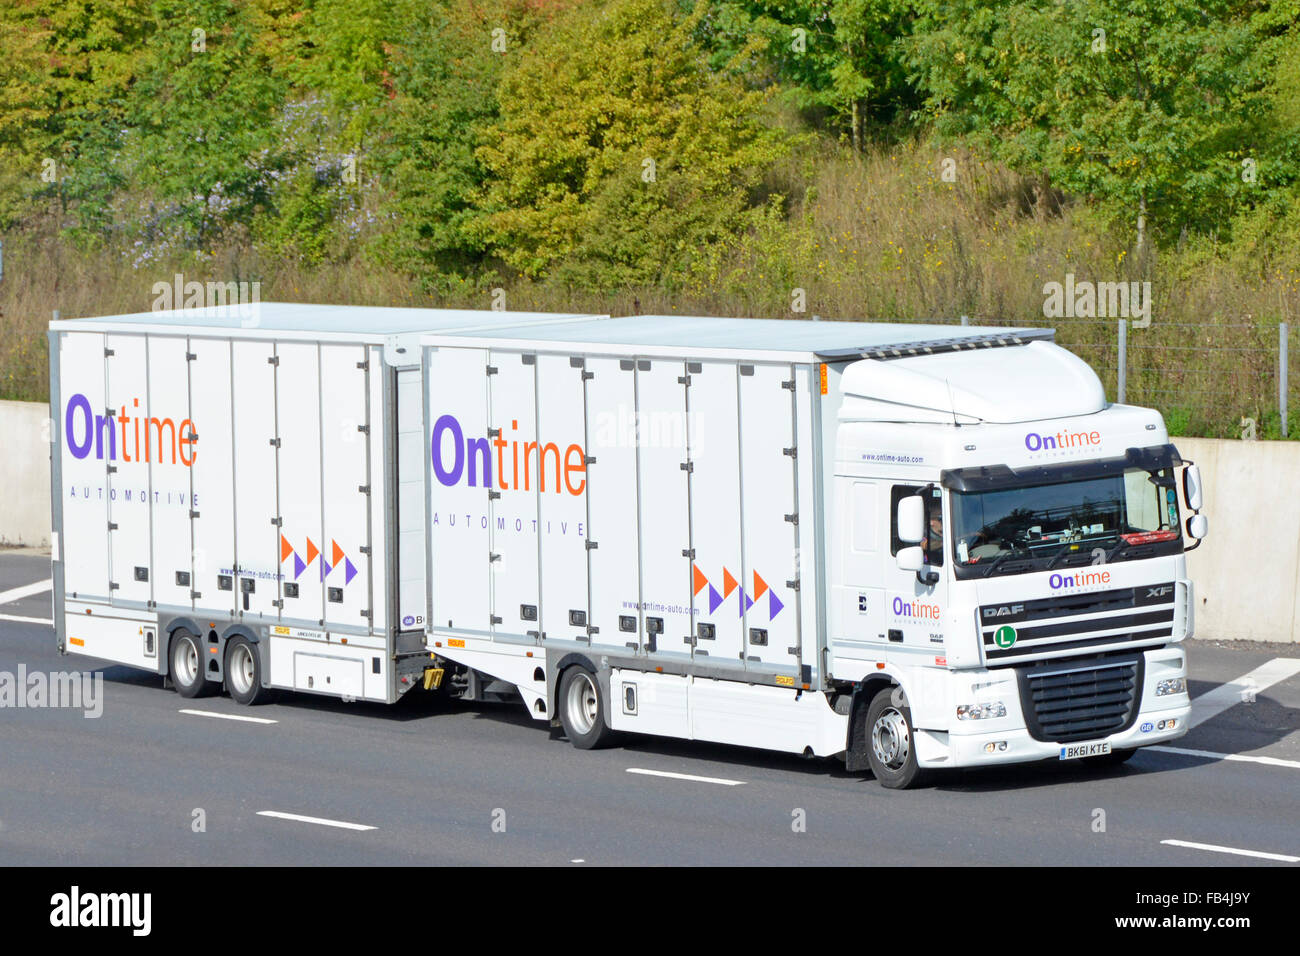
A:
[(909, 546)]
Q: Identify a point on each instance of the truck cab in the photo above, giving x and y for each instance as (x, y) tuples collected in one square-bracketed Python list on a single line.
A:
[(1008, 552)]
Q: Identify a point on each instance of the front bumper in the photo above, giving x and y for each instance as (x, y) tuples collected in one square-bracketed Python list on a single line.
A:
[(967, 744)]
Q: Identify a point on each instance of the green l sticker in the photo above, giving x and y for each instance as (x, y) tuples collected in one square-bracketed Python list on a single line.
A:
[(1004, 636)]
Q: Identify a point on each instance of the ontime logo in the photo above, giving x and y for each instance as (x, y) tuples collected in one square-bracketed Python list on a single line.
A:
[(164, 441), (457, 457), (1061, 440)]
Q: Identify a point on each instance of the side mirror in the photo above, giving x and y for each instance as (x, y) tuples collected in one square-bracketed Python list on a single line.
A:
[(1192, 488), (1197, 527), (911, 559), (911, 520)]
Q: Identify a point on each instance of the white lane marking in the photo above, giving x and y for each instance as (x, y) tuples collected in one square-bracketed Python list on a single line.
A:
[(213, 713), (1280, 857), (320, 821), (1270, 761), (686, 776), (25, 620), (27, 590), (1215, 702)]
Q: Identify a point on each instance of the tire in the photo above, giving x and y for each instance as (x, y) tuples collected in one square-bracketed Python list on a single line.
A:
[(244, 672), (185, 657), (1113, 759), (582, 709), (891, 749)]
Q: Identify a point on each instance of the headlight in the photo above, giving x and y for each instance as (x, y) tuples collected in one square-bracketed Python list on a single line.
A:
[(986, 711), (1172, 685)]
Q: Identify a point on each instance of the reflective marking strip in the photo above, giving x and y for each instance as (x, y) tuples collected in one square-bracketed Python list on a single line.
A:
[(1280, 857), (320, 821), (686, 776), (213, 713)]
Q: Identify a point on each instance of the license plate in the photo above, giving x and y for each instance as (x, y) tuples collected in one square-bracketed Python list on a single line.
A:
[(1074, 751)]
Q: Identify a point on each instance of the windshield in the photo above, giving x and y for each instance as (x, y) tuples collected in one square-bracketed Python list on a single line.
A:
[(1126, 515)]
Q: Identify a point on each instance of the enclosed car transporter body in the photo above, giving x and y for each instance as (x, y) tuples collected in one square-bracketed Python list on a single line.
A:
[(914, 546)]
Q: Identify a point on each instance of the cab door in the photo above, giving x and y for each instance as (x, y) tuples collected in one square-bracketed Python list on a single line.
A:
[(912, 613)]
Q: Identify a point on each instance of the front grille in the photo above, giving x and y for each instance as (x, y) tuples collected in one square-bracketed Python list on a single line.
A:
[(1058, 626), (1088, 700)]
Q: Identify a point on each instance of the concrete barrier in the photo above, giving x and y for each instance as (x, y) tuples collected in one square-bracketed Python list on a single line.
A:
[(24, 474), (1247, 573)]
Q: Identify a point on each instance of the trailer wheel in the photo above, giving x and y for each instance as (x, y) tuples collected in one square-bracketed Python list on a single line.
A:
[(187, 665), (244, 672), (891, 748), (582, 709)]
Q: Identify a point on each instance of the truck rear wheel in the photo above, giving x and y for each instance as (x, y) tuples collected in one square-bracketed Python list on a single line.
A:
[(582, 709), (244, 672), (891, 747), (186, 659)]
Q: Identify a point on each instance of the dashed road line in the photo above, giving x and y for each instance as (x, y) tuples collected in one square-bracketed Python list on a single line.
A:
[(213, 713), (1268, 761), (1214, 702), (686, 776), (319, 821), (1257, 854)]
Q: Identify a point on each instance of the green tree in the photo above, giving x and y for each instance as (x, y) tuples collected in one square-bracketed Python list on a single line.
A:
[(619, 153), (1147, 106)]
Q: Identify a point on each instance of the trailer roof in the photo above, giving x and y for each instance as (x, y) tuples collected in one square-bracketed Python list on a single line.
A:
[(258, 319), (698, 335)]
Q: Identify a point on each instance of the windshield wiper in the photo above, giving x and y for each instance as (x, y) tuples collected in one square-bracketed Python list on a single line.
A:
[(1002, 557)]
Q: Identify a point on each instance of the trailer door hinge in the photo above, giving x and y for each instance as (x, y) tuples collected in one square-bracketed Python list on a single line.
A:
[(273, 360), (363, 366), (789, 385), (492, 618), (493, 556), (364, 549), (688, 553), (108, 353), (587, 375), (195, 595), (367, 614), (684, 380), (279, 604), (364, 429), (191, 357), (112, 469), (491, 369), (278, 522), (792, 452), (275, 443), (494, 433), (493, 494), (793, 519), (194, 514), (793, 585), (592, 545), (589, 459), (688, 466), (112, 526), (113, 585), (364, 489)]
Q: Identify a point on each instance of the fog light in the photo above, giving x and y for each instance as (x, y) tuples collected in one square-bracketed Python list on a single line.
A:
[(1173, 685), (987, 711), (1169, 724), (994, 747)]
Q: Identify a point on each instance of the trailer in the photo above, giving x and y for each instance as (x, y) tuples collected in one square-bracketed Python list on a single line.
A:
[(907, 546)]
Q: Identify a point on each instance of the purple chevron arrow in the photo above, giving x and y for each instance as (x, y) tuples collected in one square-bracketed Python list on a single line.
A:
[(715, 599), (774, 605), (746, 602), (298, 565), (351, 571)]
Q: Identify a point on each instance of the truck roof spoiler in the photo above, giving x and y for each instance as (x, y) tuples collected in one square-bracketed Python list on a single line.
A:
[(940, 346)]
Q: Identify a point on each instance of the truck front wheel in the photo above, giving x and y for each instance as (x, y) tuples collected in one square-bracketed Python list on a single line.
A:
[(582, 709), (187, 665), (891, 746)]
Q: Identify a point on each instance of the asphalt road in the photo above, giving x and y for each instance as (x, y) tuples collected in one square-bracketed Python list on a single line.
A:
[(458, 783)]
